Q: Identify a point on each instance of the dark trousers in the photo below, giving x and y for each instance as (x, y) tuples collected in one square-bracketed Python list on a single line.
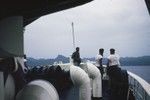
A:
[(118, 81), (101, 70)]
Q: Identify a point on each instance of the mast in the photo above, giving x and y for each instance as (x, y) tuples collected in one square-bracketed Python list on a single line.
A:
[(73, 36)]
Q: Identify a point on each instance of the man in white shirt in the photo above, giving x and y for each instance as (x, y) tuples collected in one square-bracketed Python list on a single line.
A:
[(98, 59), (113, 69), (113, 59)]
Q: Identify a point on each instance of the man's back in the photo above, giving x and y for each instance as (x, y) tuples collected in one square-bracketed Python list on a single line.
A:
[(113, 60), (76, 57), (97, 58)]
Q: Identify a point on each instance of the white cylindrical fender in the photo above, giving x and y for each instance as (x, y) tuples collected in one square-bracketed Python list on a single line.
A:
[(38, 90), (1, 85), (80, 78), (9, 88), (96, 80), (20, 60), (7, 91)]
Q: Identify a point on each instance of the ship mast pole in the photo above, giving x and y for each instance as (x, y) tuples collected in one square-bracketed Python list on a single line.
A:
[(73, 36)]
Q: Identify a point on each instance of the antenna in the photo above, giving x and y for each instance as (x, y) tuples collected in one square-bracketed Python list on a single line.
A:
[(73, 36)]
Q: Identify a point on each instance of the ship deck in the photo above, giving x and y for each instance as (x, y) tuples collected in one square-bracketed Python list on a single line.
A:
[(67, 91), (105, 90)]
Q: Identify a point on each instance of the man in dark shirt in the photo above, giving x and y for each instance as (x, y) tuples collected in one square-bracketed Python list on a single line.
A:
[(76, 57)]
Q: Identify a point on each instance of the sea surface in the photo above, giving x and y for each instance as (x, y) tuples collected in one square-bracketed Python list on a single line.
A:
[(142, 71)]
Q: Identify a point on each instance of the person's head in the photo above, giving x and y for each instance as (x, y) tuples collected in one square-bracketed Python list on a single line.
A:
[(112, 51), (101, 51), (77, 49)]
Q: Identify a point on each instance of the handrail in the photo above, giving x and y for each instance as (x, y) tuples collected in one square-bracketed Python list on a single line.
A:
[(140, 87)]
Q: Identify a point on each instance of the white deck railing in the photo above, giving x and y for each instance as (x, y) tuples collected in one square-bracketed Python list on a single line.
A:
[(140, 88)]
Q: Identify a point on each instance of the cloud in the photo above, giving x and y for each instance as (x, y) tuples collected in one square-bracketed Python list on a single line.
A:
[(122, 24)]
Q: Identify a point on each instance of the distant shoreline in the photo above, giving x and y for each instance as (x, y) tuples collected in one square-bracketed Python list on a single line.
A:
[(125, 61)]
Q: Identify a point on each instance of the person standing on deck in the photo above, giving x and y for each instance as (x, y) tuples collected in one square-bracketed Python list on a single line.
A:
[(113, 64), (118, 79), (98, 59), (76, 57)]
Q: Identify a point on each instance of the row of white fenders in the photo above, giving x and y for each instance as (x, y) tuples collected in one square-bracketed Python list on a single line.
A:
[(87, 78)]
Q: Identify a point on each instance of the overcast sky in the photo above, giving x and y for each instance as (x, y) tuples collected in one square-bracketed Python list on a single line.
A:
[(120, 24)]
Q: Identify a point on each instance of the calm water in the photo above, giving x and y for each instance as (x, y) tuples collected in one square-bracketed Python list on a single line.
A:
[(142, 71)]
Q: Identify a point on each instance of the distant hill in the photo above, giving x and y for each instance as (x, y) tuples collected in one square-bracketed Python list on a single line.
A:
[(40, 62), (125, 61), (135, 61)]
